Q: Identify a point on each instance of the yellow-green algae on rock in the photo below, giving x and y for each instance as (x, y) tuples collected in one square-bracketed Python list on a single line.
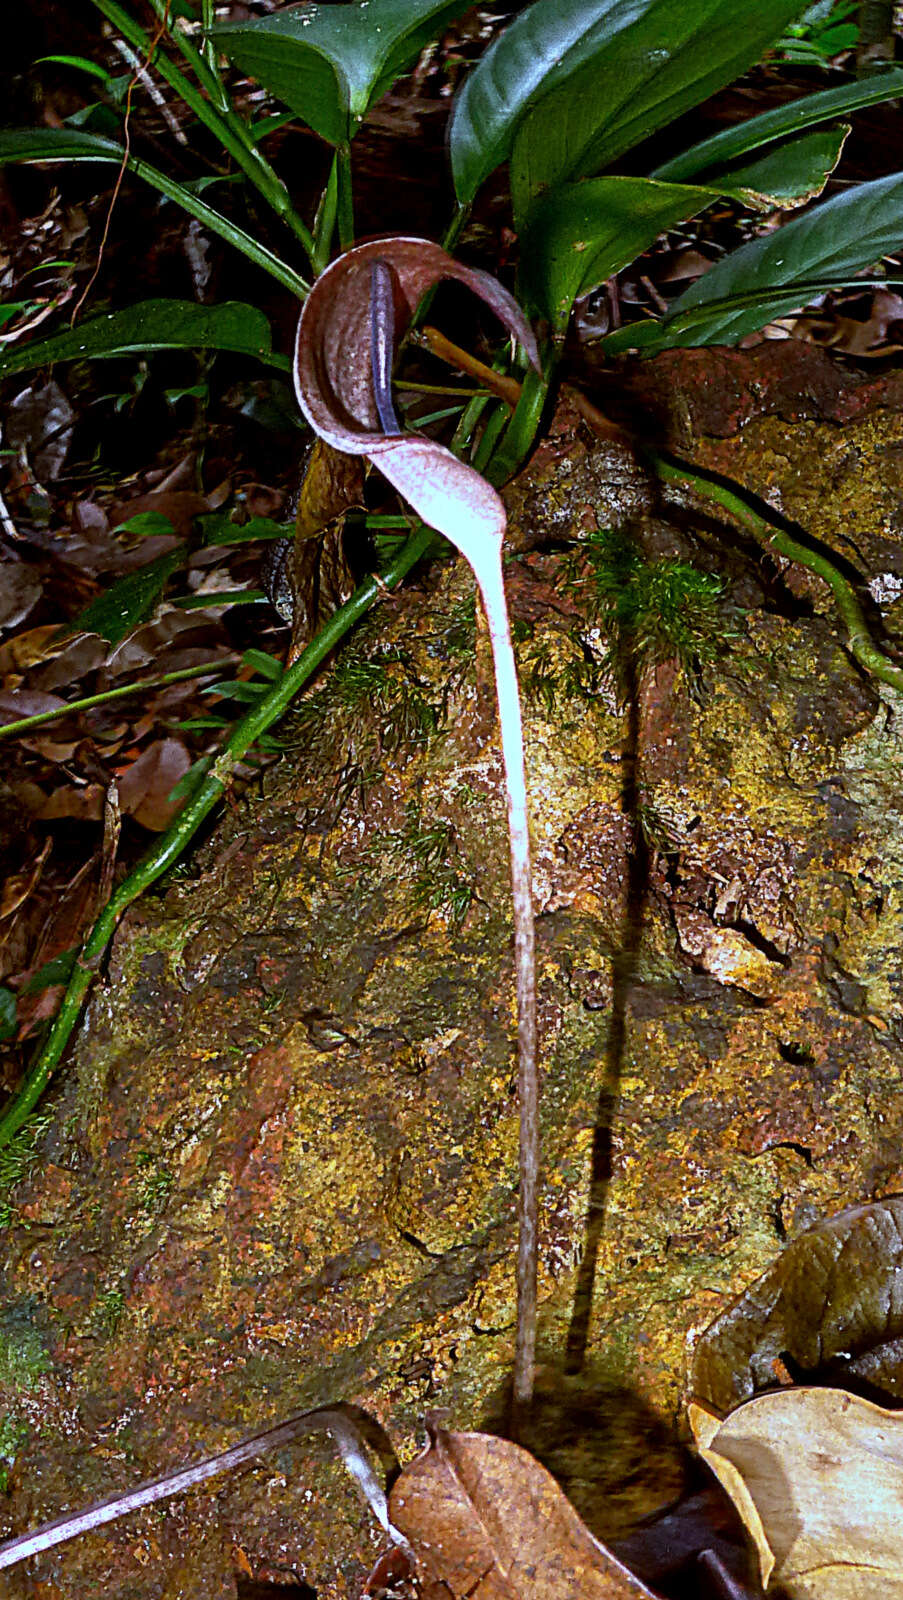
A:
[(282, 1168)]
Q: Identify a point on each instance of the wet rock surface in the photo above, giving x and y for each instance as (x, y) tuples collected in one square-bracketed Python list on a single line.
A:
[(282, 1165)]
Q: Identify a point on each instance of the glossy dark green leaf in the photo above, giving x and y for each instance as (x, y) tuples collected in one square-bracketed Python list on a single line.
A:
[(791, 174), (57, 970), (56, 144), (150, 325), (330, 63), (568, 88), (830, 1305), (581, 233), (548, 41), (127, 602), (714, 154), (756, 283)]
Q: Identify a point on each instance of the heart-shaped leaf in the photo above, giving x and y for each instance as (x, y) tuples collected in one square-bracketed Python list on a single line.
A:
[(331, 63), (151, 325), (485, 1520), (779, 272)]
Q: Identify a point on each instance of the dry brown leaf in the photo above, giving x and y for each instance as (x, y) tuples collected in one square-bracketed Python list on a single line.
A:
[(20, 591), (181, 506), (18, 703), (146, 786), (82, 653), (85, 803), (817, 1476), (38, 644), (486, 1521), (831, 1304), (19, 885)]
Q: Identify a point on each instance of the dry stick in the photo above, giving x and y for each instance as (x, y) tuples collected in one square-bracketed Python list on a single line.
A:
[(333, 1420)]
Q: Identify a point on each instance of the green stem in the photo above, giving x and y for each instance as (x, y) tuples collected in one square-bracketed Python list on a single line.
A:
[(345, 197), (769, 532), (453, 231), (221, 120), (208, 20), (167, 850), (25, 724)]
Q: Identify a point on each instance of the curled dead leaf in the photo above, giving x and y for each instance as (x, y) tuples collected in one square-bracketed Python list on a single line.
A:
[(817, 1476), (485, 1520)]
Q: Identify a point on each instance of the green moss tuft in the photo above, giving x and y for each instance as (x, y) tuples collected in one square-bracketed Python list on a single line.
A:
[(652, 611)]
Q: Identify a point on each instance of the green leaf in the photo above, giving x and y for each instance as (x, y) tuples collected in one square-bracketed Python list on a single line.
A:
[(330, 63), (789, 175), (151, 325), (56, 144), (652, 61), (261, 661), (81, 64), (756, 283), (57, 970), (539, 49), (130, 600), (218, 528), (147, 524), (713, 154), (582, 233), (614, 70)]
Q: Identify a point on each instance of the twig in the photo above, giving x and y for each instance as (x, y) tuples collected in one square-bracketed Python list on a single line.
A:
[(143, 77), (337, 1421), (126, 157), (25, 724)]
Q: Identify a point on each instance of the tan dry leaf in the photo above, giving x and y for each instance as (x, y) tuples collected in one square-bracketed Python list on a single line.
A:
[(486, 1521), (817, 1476), (24, 650), (85, 803)]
